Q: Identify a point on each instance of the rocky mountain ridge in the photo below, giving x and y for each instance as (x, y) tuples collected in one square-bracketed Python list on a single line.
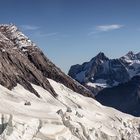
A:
[(24, 63), (101, 72)]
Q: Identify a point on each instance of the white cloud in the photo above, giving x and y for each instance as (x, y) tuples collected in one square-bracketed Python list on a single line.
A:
[(105, 28), (29, 27), (41, 34)]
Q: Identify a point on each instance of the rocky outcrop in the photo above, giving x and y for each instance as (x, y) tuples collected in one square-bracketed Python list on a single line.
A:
[(50, 70), (16, 68), (21, 61)]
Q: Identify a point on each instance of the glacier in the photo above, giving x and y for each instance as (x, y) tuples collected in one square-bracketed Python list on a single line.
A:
[(69, 116)]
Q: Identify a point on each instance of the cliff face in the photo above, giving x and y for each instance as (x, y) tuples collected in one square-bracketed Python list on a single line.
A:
[(21, 61)]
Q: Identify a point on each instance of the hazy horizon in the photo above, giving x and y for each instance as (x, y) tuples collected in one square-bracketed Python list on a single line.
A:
[(74, 31)]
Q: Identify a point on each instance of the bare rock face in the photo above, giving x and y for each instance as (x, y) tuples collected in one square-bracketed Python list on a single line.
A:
[(16, 68), (21, 61)]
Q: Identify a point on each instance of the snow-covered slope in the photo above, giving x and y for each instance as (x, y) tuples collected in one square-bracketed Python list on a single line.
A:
[(70, 116)]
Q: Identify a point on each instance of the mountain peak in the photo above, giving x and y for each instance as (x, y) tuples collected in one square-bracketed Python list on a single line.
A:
[(101, 53), (5, 27), (12, 33), (130, 54), (101, 56)]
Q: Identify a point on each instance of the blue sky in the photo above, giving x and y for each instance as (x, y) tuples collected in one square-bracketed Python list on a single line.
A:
[(74, 31)]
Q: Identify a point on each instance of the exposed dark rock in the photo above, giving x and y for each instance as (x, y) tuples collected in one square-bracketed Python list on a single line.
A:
[(21, 61), (49, 70), (16, 68), (27, 103)]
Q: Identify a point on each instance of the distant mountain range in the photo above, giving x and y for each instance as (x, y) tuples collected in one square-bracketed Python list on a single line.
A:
[(104, 72), (114, 82)]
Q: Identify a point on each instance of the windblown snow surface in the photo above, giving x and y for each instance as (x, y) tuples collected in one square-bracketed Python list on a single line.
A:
[(69, 116)]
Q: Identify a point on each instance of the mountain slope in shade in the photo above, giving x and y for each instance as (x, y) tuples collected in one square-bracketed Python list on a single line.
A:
[(24, 63), (124, 97)]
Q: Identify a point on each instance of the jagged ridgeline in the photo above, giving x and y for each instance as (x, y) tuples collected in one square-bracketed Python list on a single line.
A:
[(101, 72), (22, 62)]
